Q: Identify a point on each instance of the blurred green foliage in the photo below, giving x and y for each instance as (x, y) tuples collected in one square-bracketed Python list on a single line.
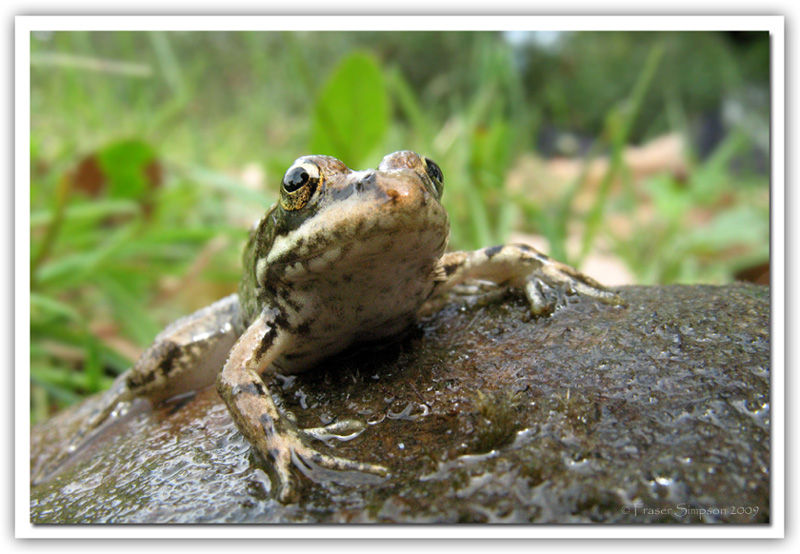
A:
[(152, 152), (351, 112)]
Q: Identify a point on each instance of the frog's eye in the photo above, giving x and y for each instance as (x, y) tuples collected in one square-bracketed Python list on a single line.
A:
[(300, 175), (435, 173), (299, 183)]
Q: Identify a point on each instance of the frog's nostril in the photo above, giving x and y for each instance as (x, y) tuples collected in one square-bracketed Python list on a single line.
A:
[(368, 181)]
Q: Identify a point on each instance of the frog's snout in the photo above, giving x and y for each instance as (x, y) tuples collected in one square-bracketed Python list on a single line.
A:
[(407, 191), (400, 194), (370, 180)]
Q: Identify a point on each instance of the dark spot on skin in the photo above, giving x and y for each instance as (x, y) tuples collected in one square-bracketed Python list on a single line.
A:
[(281, 322), (171, 353), (526, 248), (266, 342), (393, 194), (347, 278), (342, 193), (285, 296), (140, 380), (304, 328), (255, 388), (449, 269), (492, 251)]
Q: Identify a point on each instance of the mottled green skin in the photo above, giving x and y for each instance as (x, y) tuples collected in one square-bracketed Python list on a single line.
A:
[(259, 243)]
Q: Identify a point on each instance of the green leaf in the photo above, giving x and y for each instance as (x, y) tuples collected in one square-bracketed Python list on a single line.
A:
[(124, 163), (351, 113)]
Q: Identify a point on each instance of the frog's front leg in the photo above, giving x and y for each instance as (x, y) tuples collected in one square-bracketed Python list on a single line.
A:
[(274, 437), (523, 267)]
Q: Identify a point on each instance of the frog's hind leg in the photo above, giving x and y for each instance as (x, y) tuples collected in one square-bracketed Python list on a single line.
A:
[(185, 357), (522, 267)]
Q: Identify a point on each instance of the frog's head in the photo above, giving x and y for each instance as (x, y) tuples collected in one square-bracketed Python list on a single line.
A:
[(314, 183), (330, 216)]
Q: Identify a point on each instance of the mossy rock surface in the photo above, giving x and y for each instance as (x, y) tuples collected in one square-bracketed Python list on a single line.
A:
[(658, 412)]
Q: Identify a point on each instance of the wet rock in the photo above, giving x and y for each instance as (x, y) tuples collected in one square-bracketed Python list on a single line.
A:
[(658, 412)]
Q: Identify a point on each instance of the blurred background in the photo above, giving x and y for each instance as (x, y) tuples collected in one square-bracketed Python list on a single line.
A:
[(638, 157)]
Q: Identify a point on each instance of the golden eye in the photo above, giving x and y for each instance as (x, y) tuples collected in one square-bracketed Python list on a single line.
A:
[(435, 173), (299, 183)]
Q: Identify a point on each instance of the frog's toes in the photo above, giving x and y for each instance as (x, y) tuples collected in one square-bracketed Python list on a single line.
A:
[(540, 297), (344, 430), (287, 489), (544, 290), (307, 461), (308, 456), (288, 449)]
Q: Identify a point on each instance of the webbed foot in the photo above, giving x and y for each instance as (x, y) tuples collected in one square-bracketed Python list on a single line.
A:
[(543, 287), (544, 280), (289, 448)]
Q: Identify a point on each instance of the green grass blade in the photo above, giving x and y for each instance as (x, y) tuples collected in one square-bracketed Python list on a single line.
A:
[(619, 126)]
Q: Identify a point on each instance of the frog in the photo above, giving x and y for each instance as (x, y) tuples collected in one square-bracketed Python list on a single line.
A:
[(343, 257)]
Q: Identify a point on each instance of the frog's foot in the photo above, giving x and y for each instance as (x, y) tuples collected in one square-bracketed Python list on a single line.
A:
[(275, 436), (344, 430), (289, 448), (544, 280), (545, 285)]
